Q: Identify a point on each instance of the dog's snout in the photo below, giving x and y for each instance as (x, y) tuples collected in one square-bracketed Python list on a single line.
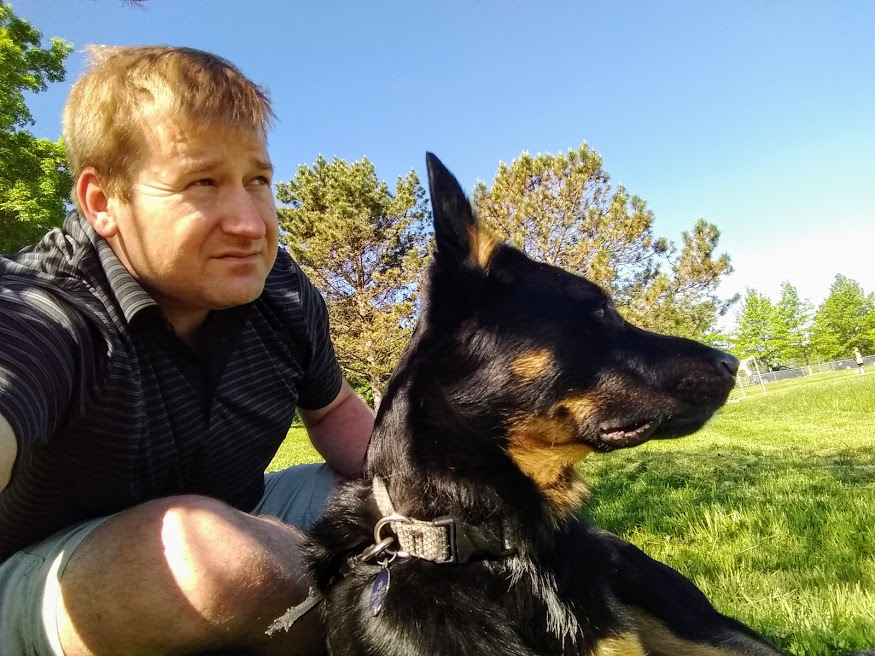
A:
[(727, 362)]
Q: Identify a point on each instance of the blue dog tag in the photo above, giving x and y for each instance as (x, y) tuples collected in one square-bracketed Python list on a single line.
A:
[(378, 591)]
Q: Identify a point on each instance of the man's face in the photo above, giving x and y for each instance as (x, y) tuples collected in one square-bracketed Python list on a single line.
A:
[(200, 232)]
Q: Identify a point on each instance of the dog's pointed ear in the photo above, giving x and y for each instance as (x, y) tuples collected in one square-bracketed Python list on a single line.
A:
[(458, 236)]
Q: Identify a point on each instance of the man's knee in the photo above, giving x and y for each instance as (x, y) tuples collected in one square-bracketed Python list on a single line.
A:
[(210, 562), (223, 560)]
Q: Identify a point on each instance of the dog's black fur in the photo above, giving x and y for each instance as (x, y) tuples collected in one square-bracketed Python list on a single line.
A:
[(517, 370)]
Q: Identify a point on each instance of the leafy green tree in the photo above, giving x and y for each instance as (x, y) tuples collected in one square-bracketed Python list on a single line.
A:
[(364, 247), (791, 327), (561, 209), (845, 319), (755, 335), (34, 181)]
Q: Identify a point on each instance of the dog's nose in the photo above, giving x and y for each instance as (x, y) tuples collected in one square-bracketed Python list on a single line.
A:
[(728, 362)]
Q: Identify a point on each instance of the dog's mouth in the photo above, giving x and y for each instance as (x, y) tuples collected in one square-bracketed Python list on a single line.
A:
[(620, 437)]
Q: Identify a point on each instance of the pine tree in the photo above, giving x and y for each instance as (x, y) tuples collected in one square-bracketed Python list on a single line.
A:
[(561, 209), (364, 247)]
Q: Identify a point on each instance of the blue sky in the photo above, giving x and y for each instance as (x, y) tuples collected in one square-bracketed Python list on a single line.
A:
[(758, 116)]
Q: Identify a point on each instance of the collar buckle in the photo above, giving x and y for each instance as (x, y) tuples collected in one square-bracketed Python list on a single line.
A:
[(467, 542)]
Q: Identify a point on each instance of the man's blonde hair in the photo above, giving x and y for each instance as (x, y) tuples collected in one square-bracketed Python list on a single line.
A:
[(103, 116)]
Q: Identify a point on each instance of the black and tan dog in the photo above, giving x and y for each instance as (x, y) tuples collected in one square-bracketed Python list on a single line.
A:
[(463, 538)]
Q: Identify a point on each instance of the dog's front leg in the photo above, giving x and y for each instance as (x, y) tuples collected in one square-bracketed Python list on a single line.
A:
[(670, 615)]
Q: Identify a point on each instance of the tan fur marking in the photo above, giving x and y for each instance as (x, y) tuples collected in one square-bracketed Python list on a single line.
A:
[(483, 245), (581, 408), (567, 499), (532, 365), (545, 449), (624, 645), (658, 640)]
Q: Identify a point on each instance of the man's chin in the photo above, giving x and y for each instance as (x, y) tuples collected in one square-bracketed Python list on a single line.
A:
[(234, 296)]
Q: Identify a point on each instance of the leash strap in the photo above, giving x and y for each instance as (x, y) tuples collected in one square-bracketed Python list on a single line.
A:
[(295, 613)]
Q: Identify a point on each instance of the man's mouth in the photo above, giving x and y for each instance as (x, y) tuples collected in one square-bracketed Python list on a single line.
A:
[(619, 437), (238, 257)]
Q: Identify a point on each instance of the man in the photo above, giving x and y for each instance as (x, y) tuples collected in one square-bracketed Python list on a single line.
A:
[(858, 358), (152, 354)]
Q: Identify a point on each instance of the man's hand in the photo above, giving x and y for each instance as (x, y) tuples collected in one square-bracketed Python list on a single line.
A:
[(8, 451), (341, 431)]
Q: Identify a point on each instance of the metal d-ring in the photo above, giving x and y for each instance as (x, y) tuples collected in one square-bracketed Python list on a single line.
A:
[(376, 549), (388, 519), (382, 544)]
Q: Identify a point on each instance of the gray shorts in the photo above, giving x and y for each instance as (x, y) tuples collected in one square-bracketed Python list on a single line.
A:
[(29, 580)]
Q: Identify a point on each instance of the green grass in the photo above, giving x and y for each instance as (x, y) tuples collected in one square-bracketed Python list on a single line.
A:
[(770, 509), (295, 450)]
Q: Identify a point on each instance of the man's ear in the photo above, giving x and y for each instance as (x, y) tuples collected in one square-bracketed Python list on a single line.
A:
[(94, 202)]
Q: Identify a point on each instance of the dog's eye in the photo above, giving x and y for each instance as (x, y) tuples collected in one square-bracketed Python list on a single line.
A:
[(600, 313)]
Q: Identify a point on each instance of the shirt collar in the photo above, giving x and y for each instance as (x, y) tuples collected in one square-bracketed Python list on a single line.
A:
[(131, 296)]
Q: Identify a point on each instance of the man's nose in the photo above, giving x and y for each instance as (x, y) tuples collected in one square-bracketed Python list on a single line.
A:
[(243, 215)]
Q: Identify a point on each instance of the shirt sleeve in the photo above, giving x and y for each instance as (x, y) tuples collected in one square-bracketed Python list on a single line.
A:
[(323, 377), (38, 363)]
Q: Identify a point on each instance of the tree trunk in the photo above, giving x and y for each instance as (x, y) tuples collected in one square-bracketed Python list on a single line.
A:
[(377, 390)]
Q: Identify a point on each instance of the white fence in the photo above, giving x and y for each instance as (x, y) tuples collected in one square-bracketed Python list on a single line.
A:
[(783, 374), (755, 381)]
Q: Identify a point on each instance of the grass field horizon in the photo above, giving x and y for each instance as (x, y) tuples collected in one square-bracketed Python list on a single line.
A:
[(770, 509)]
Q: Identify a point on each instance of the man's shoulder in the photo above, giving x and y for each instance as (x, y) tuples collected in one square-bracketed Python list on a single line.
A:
[(284, 267), (63, 257), (55, 277), (285, 280), (291, 298)]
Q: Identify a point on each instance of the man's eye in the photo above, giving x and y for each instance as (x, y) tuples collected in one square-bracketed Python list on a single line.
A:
[(261, 180), (203, 182)]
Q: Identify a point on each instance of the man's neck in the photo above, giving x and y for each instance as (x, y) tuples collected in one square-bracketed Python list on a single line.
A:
[(188, 326)]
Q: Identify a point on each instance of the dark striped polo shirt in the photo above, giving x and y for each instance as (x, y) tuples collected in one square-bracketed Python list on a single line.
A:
[(111, 409)]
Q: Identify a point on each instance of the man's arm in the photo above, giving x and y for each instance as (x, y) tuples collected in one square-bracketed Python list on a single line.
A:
[(46, 352), (8, 451), (341, 431)]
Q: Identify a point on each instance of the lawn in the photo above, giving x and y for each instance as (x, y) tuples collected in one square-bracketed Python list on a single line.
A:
[(770, 509)]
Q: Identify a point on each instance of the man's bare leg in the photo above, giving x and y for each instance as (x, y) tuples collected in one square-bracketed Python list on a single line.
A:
[(184, 575)]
